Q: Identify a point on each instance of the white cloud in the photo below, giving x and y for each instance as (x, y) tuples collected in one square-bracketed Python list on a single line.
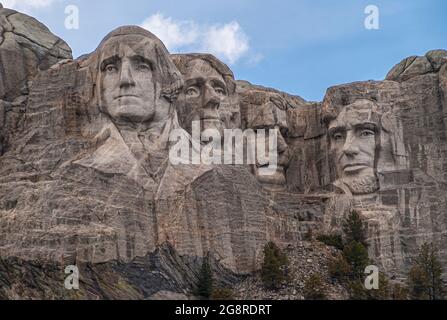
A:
[(174, 34), (26, 4), (228, 41)]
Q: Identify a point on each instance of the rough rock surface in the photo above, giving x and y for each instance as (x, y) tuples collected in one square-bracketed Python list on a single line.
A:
[(305, 260), (159, 275), (408, 207), (416, 66), (26, 46), (85, 176)]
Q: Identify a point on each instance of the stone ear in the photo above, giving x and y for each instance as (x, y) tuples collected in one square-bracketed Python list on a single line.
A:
[(386, 121)]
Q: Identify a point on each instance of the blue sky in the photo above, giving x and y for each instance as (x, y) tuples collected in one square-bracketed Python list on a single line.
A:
[(298, 46)]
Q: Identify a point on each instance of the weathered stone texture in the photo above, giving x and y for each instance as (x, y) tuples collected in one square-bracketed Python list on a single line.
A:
[(409, 208), (85, 177), (26, 46)]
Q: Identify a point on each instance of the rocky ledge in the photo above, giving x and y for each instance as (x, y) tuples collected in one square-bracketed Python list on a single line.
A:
[(86, 178)]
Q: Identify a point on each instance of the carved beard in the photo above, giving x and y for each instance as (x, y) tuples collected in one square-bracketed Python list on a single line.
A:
[(360, 185)]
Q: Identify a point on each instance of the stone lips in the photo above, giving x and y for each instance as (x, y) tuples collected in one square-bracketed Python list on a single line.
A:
[(78, 187)]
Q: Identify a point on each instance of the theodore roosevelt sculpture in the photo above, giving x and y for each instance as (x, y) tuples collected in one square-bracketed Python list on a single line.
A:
[(266, 110)]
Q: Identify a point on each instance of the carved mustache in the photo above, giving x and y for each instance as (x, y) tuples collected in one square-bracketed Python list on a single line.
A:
[(359, 164)]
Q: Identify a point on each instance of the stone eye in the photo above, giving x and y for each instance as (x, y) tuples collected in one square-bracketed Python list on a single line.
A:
[(219, 91), (367, 133), (143, 67), (111, 68), (192, 92), (337, 136)]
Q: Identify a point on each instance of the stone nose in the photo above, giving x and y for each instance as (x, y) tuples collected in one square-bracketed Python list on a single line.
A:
[(126, 76), (211, 98), (351, 146), (283, 150), (282, 144)]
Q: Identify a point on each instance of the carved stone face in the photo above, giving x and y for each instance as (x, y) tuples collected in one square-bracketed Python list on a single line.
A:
[(129, 90), (269, 116), (204, 90), (353, 139), (279, 178)]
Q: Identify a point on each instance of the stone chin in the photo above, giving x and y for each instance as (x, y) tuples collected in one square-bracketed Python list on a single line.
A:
[(274, 181), (216, 124), (131, 109), (359, 185)]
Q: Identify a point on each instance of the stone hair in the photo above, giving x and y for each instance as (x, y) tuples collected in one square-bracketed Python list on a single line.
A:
[(171, 79), (183, 60)]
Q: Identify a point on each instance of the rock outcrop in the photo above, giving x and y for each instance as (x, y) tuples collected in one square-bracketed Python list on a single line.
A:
[(87, 177), (407, 205), (26, 47), (305, 260)]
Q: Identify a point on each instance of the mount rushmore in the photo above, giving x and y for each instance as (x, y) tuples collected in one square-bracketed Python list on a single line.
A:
[(85, 176)]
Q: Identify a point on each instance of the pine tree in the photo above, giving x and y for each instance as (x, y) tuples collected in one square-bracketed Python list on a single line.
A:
[(354, 229), (385, 290), (339, 268), (425, 277), (205, 285), (399, 292), (357, 257), (314, 288), (275, 261)]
